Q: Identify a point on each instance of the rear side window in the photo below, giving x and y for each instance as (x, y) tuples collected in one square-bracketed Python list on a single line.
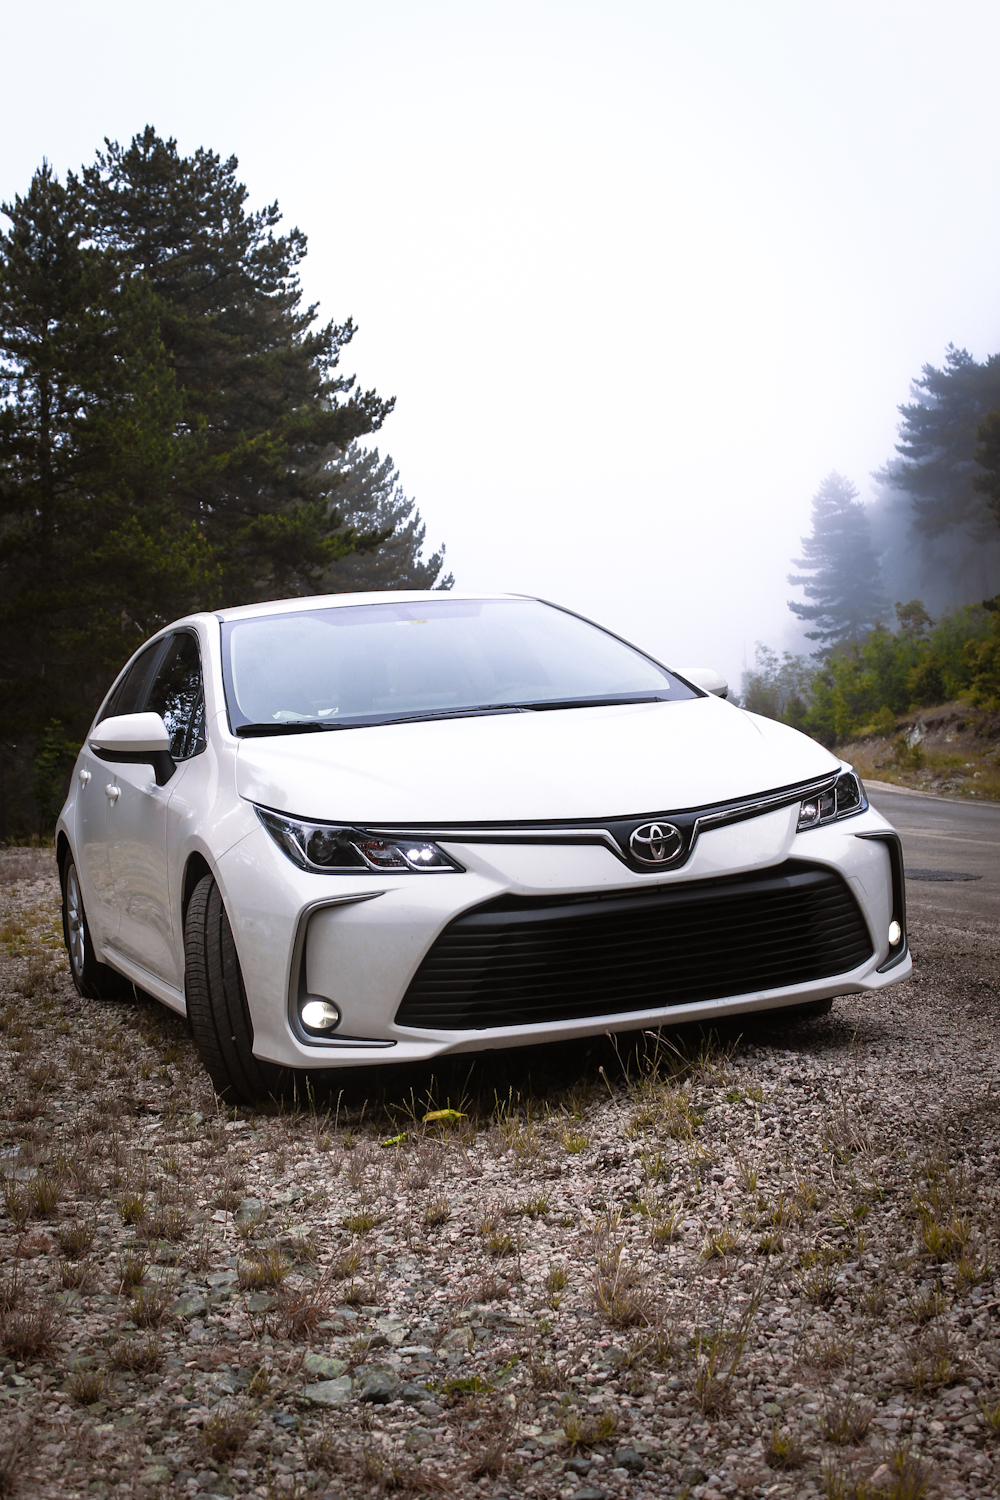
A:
[(127, 697), (177, 694)]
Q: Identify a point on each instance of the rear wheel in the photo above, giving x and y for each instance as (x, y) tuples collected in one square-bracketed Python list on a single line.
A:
[(93, 980), (217, 1003)]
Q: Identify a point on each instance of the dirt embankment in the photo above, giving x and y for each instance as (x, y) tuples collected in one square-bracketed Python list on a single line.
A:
[(953, 749)]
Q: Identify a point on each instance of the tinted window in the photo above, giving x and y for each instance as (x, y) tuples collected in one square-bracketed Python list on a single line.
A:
[(128, 695), (176, 694)]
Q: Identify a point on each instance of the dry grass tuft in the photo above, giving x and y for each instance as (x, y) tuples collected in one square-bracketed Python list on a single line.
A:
[(28, 1331), (139, 1356), (844, 1420), (74, 1240), (149, 1305), (86, 1386), (437, 1212), (266, 1268), (783, 1450), (590, 1429), (227, 1429)]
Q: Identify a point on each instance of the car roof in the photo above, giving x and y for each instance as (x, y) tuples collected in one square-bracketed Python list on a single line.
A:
[(341, 601)]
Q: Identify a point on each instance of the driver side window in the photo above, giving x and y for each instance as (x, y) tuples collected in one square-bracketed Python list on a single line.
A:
[(177, 693)]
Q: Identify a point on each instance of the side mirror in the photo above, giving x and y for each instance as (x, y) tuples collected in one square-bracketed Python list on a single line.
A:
[(707, 678), (135, 739)]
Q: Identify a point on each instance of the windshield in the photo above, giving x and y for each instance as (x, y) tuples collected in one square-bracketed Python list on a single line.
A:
[(376, 663)]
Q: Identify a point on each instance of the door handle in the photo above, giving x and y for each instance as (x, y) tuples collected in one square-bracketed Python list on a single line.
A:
[(112, 792), (84, 777)]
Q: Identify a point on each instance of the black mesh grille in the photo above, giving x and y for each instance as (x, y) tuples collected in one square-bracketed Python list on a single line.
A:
[(517, 961)]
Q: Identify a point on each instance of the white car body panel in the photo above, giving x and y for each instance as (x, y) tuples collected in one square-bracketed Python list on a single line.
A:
[(575, 763), (359, 938)]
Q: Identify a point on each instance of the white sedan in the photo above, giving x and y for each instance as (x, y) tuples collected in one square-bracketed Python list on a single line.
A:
[(363, 828)]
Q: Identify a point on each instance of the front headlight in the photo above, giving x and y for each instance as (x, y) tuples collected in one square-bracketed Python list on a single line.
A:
[(338, 849), (844, 798)]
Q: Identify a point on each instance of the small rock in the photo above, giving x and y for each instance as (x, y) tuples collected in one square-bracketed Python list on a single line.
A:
[(191, 1306), (429, 1409), (329, 1392), (156, 1474), (259, 1301), (589, 1492), (459, 1339), (250, 1208), (628, 1458), (579, 1466), (322, 1367), (378, 1386)]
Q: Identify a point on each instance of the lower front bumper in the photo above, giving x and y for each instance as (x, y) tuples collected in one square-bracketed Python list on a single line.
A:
[(360, 941)]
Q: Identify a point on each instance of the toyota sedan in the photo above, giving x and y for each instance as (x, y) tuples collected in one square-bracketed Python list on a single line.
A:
[(365, 828)]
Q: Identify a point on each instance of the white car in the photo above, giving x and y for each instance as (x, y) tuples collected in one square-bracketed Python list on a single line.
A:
[(363, 828)]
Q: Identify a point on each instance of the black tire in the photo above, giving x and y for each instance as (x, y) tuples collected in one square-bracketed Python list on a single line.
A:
[(217, 1004), (92, 980)]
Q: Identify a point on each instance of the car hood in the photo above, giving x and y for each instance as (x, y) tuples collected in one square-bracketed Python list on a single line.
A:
[(528, 767)]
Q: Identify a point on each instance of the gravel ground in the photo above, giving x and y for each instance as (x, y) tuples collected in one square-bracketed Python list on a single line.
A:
[(737, 1265)]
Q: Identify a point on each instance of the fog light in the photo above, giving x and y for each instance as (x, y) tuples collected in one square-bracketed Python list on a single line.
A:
[(319, 1015), (895, 933)]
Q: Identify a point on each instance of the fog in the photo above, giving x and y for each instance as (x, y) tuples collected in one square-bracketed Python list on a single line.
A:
[(639, 275)]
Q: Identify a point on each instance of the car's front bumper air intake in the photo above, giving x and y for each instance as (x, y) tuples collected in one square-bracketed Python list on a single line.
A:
[(522, 960)]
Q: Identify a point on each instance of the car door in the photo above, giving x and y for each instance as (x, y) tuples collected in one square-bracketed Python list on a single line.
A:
[(97, 787), (137, 816)]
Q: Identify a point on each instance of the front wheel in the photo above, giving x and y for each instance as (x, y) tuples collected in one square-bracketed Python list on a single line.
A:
[(217, 1003), (92, 979)]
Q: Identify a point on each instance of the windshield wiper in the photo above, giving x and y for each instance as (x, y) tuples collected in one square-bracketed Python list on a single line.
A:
[(288, 726), (610, 702), (481, 710), (474, 711)]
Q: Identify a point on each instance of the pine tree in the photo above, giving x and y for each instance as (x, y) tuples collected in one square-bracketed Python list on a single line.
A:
[(92, 553), (173, 423), (366, 492), (988, 458), (841, 578), (263, 402), (937, 466)]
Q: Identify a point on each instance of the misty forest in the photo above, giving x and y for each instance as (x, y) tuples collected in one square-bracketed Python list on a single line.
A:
[(901, 594), (177, 433)]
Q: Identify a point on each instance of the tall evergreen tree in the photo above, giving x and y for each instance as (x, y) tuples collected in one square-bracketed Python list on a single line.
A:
[(261, 393), (172, 419), (367, 494), (988, 459), (841, 578), (937, 465), (91, 550)]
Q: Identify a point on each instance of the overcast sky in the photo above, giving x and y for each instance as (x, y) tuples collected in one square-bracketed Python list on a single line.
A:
[(638, 274)]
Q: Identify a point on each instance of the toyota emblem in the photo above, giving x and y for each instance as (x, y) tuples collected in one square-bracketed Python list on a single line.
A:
[(655, 843)]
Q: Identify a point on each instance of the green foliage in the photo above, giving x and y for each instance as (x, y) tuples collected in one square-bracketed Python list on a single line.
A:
[(53, 762), (865, 686), (777, 689), (841, 578), (982, 658)]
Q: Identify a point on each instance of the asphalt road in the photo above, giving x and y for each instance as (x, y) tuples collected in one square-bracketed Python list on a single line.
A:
[(943, 836)]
